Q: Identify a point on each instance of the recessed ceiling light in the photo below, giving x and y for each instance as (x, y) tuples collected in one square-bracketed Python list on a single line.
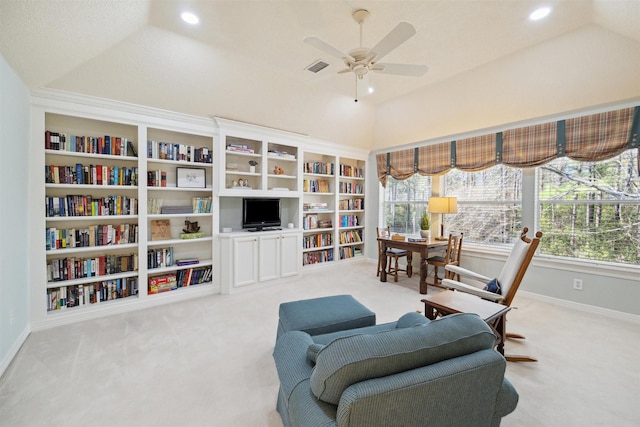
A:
[(190, 18), (540, 13), (371, 89)]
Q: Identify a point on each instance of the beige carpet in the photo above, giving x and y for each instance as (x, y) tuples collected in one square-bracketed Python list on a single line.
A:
[(208, 361)]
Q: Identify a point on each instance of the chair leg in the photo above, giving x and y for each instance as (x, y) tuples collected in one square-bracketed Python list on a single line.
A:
[(395, 277)]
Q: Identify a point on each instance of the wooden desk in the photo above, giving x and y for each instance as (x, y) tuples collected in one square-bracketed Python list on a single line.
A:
[(449, 302), (421, 247)]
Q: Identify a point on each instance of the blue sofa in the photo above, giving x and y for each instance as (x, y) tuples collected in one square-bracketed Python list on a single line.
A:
[(412, 372)]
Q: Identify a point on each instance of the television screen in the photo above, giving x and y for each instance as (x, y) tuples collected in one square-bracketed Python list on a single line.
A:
[(260, 213)]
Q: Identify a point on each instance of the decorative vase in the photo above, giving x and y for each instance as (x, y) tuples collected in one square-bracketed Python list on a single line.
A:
[(424, 233), (252, 169)]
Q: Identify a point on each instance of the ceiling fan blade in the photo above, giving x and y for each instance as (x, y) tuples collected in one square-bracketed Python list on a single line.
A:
[(320, 45), (401, 69), (400, 34)]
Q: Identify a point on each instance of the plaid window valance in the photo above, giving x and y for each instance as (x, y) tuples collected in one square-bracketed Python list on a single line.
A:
[(593, 137)]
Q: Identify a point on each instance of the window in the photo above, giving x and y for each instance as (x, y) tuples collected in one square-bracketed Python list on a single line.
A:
[(403, 203), (586, 210), (489, 204), (591, 210)]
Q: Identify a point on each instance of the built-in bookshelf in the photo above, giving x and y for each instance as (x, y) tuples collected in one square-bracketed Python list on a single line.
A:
[(91, 211), (351, 173), (318, 208), (107, 175), (179, 210), (257, 161)]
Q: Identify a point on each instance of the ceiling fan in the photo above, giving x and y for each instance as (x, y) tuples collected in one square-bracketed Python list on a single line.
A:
[(361, 60)]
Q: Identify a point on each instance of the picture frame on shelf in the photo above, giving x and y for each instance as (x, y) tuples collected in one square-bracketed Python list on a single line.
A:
[(191, 177)]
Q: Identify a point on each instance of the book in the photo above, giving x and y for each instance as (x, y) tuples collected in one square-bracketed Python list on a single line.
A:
[(188, 261), (416, 239)]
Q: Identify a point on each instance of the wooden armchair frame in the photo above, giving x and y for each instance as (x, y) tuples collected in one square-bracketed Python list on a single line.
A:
[(509, 278)]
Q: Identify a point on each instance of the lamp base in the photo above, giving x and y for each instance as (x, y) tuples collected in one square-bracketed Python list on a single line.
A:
[(441, 238)]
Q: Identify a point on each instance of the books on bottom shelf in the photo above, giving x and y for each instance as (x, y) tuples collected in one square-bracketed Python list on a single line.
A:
[(316, 257), (179, 279), (92, 293)]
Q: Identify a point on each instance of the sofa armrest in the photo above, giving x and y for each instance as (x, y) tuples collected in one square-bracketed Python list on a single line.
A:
[(506, 401), (292, 363)]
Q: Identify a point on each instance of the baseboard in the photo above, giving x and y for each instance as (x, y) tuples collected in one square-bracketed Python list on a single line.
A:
[(6, 361), (582, 307)]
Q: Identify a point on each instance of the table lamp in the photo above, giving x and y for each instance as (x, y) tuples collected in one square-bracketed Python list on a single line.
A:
[(442, 205)]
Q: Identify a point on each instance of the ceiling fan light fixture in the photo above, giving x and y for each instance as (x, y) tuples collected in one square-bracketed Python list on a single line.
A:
[(190, 17), (540, 13)]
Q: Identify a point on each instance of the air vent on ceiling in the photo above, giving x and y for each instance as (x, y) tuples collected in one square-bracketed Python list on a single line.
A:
[(317, 66)]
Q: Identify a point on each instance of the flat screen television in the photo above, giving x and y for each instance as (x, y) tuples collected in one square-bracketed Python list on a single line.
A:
[(260, 213)]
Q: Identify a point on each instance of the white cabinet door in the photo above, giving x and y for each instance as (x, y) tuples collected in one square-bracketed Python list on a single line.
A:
[(245, 261), (270, 257), (290, 245)]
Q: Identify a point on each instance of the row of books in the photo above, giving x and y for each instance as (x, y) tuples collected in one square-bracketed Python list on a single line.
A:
[(350, 252), (310, 222), (108, 145), (351, 188), (351, 171), (179, 279), (317, 240), (243, 148), (93, 293), (349, 221), (351, 204), (317, 257), (282, 154), (91, 175), (351, 236), (70, 268), (79, 205), (160, 257), (156, 178), (177, 152), (315, 186), (314, 206), (325, 168), (198, 205), (93, 235)]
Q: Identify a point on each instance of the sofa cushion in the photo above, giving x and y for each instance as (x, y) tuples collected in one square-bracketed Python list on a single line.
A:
[(351, 359), (313, 350), (411, 319), (406, 321)]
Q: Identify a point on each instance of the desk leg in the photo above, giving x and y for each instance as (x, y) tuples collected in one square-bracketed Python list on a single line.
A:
[(423, 274), (383, 264)]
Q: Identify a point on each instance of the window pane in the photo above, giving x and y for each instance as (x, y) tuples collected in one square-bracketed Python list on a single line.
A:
[(591, 210), (489, 204), (404, 202)]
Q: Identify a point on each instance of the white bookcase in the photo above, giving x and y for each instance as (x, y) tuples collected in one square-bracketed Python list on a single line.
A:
[(91, 256), (119, 210)]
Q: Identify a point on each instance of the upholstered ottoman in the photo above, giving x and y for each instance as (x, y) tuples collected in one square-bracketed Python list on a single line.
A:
[(323, 315)]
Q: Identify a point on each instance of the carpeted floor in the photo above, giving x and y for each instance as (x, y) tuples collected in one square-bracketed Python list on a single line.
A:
[(208, 361)]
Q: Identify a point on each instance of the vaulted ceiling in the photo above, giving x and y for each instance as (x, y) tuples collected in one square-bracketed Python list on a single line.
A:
[(246, 57)]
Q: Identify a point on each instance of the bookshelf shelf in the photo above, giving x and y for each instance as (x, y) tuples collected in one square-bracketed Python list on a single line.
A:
[(92, 279)]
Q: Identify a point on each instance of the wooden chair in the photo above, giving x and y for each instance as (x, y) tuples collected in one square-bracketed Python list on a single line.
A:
[(450, 257), (508, 280), (393, 255)]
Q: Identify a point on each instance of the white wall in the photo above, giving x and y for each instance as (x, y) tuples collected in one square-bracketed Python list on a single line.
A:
[(14, 230), (547, 79)]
